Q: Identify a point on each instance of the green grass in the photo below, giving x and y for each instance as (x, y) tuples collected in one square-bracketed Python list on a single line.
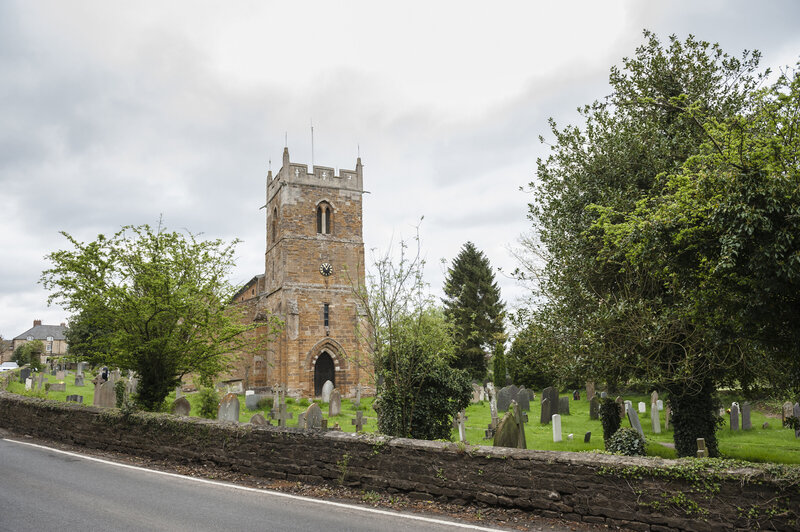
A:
[(773, 444)]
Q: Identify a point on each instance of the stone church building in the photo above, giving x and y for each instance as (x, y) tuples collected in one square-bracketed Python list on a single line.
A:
[(314, 259)]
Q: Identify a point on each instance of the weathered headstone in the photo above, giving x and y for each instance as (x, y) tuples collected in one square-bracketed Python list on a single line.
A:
[(633, 419), (642, 408), (507, 433), (523, 399), (587, 438), (335, 404), (551, 393), (181, 407), (229, 408), (28, 383), (653, 397), (660, 405), (79, 380), (75, 399), (786, 412), (178, 392), (357, 399), (259, 420), (251, 401), (358, 421), (58, 387), (81, 366), (746, 423), (313, 417), (61, 375), (104, 395), (655, 421), (576, 395), (327, 388), (24, 373), (735, 416), (504, 398), (556, 428), (590, 393), (546, 415), (702, 452), (563, 406), (594, 408), (461, 421), (477, 390), (301, 420), (667, 415)]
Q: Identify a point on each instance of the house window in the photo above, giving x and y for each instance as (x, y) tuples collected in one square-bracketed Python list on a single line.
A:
[(49, 347), (324, 215), (30, 338), (326, 313), (49, 338)]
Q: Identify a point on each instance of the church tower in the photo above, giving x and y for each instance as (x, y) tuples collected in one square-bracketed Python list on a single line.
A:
[(314, 259)]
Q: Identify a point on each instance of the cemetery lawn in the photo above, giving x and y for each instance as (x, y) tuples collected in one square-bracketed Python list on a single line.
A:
[(773, 444)]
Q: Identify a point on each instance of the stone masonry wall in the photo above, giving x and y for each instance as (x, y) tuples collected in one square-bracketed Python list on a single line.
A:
[(636, 493)]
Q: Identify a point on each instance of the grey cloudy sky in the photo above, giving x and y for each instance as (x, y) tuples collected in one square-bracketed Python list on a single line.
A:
[(112, 113)]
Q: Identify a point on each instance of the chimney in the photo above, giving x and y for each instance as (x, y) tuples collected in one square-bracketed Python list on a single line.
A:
[(63, 324), (36, 323)]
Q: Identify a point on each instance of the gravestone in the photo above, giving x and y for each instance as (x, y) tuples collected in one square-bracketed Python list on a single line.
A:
[(556, 428), (461, 421), (81, 366), (504, 398), (702, 452), (563, 405), (178, 392), (590, 393), (313, 417), (576, 395), (796, 414), (104, 395), (594, 408), (633, 419), (301, 420), (282, 415), (75, 399), (335, 404), (655, 422), (507, 433), (514, 389), (28, 383), (79, 380), (660, 405), (653, 397), (229, 408), (545, 416), (24, 373), (746, 423), (259, 420), (40, 381), (642, 408), (735, 416), (587, 438), (357, 399), (251, 401), (358, 421), (59, 387), (786, 412), (181, 407), (61, 375), (667, 415), (477, 393), (551, 393), (524, 399), (327, 388)]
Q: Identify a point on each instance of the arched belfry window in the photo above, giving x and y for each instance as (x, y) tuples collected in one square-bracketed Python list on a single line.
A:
[(274, 229), (324, 218)]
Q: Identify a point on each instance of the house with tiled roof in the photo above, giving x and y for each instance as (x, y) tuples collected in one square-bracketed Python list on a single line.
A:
[(52, 336)]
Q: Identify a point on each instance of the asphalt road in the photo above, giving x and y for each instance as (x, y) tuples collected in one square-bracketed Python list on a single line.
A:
[(45, 489)]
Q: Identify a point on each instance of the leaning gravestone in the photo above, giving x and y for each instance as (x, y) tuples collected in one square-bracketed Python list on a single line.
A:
[(507, 433), (594, 408), (335, 403), (181, 407), (504, 398), (746, 423), (655, 421), (229, 408), (633, 419), (524, 399), (735, 416), (327, 388), (104, 395), (313, 417), (259, 420), (563, 405), (79, 380)]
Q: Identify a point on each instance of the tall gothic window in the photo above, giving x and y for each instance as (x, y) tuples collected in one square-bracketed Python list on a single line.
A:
[(324, 218), (274, 225)]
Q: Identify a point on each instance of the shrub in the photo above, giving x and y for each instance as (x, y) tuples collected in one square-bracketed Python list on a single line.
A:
[(303, 402), (695, 415), (209, 403), (609, 417), (265, 403), (290, 400), (628, 442)]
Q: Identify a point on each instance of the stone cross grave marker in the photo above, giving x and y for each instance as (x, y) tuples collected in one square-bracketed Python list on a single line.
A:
[(327, 388), (461, 420), (313, 417), (563, 406), (335, 404), (357, 399), (358, 421), (786, 412), (702, 452), (181, 407), (276, 400), (504, 399), (642, 408), (746, 423), (79, 380), (594, 408), (282, 415), (229, 408), (590, 392), (259, 420), (633, 419), (655, 421), (524, 399), (556, 428), (735, 416)]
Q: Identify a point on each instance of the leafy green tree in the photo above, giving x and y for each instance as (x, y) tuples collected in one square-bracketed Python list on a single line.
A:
[(473, 305), (628, 254), (499, 365), (159, 298), (29, 353)]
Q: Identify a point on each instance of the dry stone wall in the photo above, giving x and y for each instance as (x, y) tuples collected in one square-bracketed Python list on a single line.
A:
[(635, 493)]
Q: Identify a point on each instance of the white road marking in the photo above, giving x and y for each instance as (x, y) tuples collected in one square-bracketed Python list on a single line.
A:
[(264, 491)]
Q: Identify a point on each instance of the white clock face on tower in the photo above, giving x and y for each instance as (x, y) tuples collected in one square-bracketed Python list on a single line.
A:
[(326, 269)]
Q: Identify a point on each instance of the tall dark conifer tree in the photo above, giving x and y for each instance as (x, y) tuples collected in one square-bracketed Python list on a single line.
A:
[(473, 305)]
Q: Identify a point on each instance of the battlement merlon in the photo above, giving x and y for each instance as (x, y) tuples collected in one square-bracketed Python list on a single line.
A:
[(319, 175)]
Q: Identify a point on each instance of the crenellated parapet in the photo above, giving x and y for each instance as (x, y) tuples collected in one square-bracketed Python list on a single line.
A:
[(317, 176)]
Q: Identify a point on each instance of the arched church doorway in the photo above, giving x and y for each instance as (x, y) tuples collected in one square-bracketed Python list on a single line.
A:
[(323, 371)]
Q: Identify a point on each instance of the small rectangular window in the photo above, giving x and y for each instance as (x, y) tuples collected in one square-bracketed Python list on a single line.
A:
[(49, 347), (326, 309)]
